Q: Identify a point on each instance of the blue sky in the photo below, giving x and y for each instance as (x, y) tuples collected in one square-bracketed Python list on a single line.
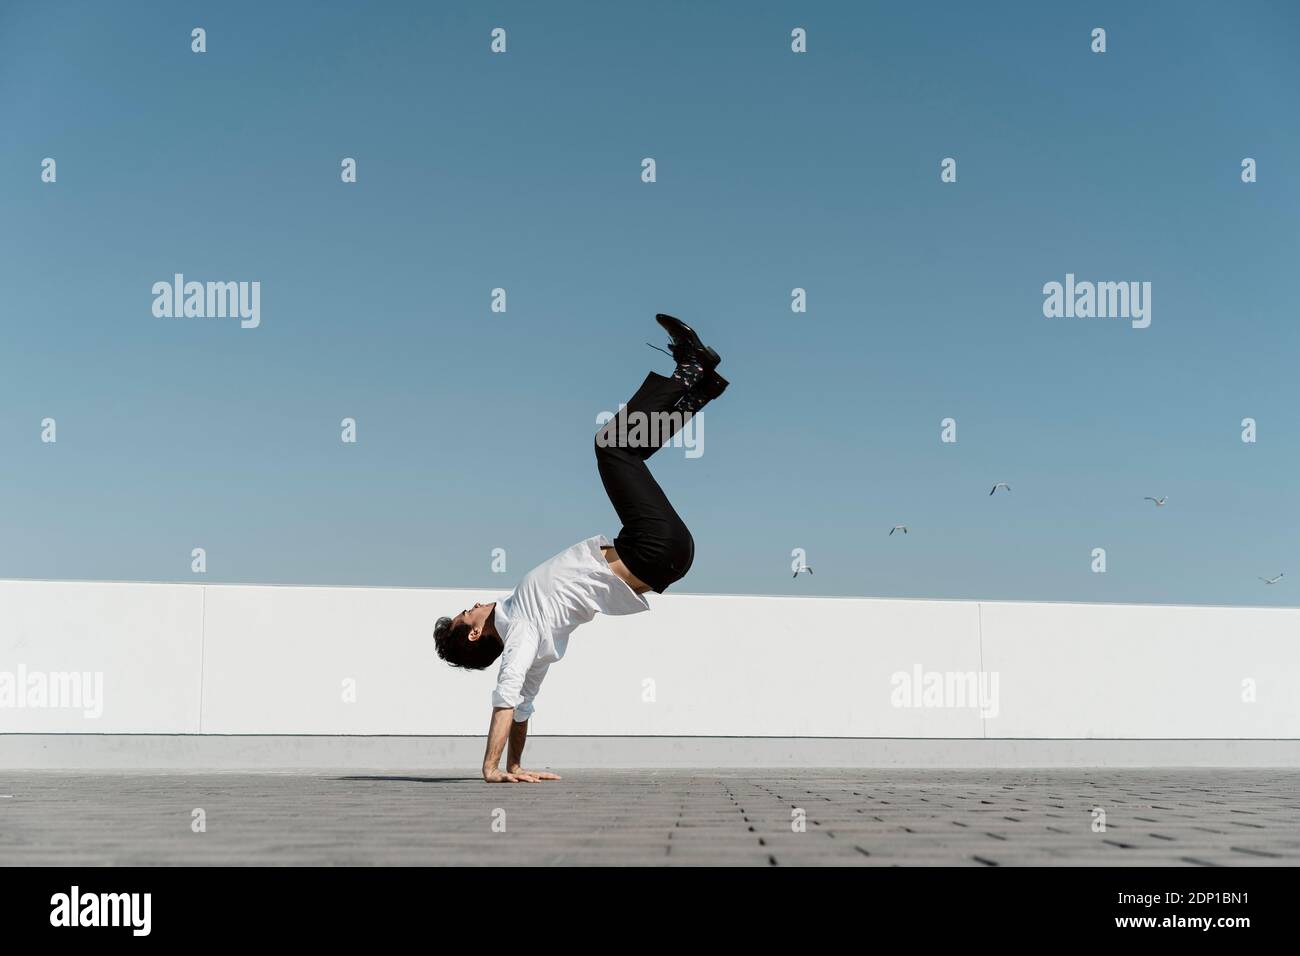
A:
[(775, 171)]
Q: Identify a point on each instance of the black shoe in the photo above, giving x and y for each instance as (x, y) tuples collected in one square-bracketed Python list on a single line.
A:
[(709, 387), (686, 347)]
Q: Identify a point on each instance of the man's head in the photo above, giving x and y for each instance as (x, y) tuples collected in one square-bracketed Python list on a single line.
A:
[(468, 640)]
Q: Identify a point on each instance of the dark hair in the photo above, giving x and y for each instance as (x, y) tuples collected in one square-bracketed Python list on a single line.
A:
[(455, 647)]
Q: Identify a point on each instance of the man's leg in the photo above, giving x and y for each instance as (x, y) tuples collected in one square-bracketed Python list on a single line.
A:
[(654, 542)]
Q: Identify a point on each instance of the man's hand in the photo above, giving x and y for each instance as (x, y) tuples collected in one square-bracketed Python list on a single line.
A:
[(517, 775), (495, 775), (532, 776)]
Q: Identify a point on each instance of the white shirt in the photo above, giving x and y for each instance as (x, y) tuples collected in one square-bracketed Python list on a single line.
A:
[(537, 617)]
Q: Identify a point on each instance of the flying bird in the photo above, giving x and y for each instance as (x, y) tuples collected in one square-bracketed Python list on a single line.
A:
[(1001, 484), (1160, 502), (1274, 580), (804, 568), (898, 527)]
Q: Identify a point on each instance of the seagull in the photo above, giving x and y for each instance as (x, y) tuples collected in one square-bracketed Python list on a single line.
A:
[(804, 568), (1001, 484), (1160, 502), (1274, 580), (898, 527)]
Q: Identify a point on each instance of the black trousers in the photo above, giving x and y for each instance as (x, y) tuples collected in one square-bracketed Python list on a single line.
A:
[(654, 542)]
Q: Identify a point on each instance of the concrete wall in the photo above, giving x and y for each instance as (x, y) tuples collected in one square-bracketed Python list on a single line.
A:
[(235, 659)]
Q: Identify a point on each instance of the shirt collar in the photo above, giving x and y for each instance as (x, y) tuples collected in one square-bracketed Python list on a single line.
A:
[(501, 617)]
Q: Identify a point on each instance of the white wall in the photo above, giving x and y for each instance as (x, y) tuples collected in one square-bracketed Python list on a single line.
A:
[(236, 659), (146, 640)]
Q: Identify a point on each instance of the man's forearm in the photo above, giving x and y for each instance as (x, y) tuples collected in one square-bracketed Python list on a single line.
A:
[(498, 732), (503, 729), (518, 735)]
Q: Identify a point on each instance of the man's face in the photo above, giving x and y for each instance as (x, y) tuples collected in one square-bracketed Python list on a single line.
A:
[(475, 617)]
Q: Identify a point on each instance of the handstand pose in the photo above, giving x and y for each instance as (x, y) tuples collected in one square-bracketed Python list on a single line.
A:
[(529, 628)]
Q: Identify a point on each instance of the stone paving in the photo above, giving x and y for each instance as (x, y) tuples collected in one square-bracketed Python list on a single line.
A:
[(1200, 817)]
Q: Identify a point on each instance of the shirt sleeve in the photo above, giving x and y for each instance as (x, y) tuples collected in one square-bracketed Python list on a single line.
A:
[(516, 661), (532, 684)]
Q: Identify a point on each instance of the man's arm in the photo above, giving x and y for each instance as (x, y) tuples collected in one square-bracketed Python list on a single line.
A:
[(518, 736), (502, 728), (498, 731), (517, 684)]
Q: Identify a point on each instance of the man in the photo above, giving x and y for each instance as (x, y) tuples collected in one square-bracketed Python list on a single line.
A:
[(529, 629)]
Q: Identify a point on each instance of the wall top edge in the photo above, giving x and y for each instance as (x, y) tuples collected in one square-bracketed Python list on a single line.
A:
[(497, 589)]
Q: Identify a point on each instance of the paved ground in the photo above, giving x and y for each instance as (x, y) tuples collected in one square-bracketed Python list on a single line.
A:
[(852, 818)]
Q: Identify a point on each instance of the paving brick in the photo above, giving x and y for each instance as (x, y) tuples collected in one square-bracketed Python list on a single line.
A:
[(657, 818)]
